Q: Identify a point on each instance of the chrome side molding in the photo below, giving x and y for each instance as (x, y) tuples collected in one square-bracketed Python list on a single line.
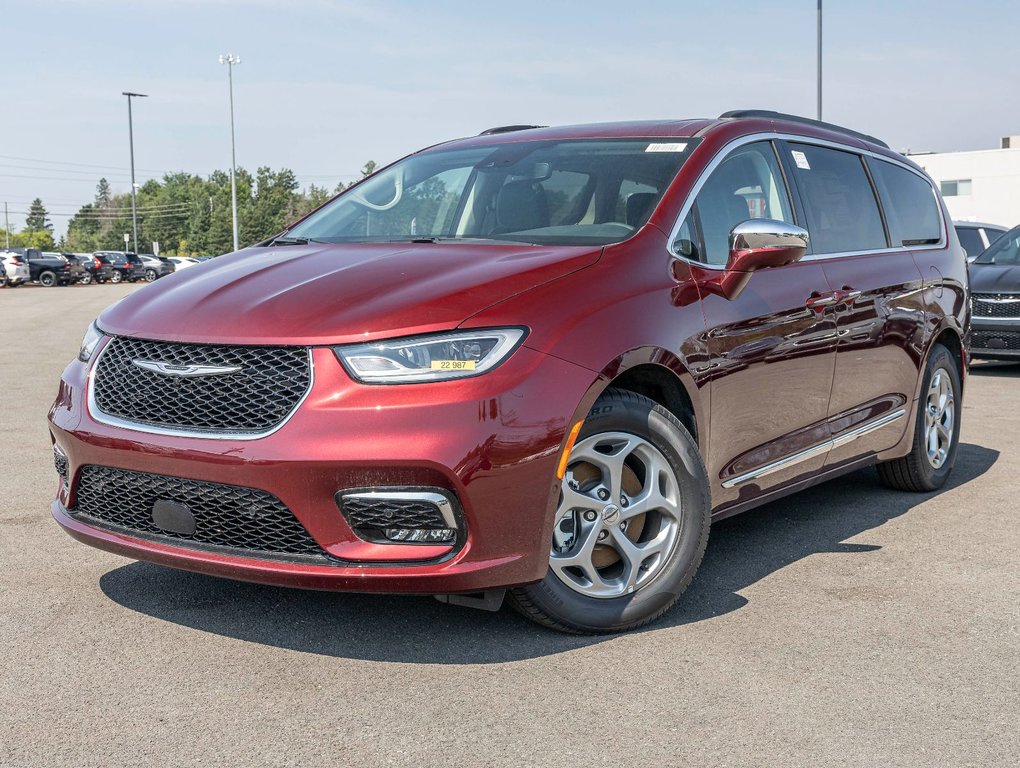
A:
[(825, 447)]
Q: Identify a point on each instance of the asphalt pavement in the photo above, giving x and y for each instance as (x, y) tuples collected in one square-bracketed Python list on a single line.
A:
[(849, 625)]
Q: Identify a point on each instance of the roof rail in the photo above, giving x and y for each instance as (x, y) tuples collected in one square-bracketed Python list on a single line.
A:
[(508, 129), (768, 113)]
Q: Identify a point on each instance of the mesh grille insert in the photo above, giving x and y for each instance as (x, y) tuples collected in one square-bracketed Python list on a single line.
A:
[(993, 340), (225, 515), (258, 397), (996, 305)]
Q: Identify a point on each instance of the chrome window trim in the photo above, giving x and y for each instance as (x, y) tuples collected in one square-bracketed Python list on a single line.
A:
[(438, 500), (723, 153), (797, 458), (135, 426)]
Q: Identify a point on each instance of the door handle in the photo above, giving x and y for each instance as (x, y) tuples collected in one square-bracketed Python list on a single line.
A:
[(848, 295), (819, 301)]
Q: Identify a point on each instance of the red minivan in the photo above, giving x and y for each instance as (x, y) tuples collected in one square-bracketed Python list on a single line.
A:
[(537, 363)]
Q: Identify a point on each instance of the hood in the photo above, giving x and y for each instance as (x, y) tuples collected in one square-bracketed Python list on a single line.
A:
[(994, 278), (335, 294)]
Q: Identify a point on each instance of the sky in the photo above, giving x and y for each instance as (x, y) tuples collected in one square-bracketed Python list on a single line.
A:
[(326, 85)]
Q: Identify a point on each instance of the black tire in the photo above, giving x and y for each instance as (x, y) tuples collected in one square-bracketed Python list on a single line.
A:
[(116, 277), (47, 279), (915, 471), (150, 275), (553, 604), (86, 279), (3, 278)]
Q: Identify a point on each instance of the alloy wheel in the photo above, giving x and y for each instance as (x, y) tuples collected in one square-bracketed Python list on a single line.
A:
[(939, 418), (618, 518)]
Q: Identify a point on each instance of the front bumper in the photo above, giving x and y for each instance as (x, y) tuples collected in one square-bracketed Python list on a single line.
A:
[(995, 338), (493, 442)]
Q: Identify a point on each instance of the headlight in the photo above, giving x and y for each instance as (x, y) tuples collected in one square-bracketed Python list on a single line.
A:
[(88, 345), (456, 355)]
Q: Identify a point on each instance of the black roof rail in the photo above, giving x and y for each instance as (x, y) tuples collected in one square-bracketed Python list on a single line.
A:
[(768, 113), (508, 129)]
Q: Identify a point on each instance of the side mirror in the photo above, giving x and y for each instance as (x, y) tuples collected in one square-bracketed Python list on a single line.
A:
[(759, 244)]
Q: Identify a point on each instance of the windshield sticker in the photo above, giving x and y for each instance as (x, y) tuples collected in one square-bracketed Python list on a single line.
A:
[(674, 147), (800, 159)]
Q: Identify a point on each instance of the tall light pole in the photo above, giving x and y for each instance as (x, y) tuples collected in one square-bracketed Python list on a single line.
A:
[(131, 143), (819, 59), (230, 60)]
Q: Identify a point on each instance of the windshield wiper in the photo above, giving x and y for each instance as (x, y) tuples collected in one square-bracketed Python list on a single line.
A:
[(283, 240)]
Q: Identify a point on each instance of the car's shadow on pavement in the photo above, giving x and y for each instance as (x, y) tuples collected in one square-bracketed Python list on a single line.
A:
[(995, 368), (741, 551)]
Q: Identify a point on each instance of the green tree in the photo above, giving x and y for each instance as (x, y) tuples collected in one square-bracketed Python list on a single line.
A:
[(103, 194), (38, 217)]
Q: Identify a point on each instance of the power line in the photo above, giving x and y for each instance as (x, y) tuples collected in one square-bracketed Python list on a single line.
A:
[(79, 165)]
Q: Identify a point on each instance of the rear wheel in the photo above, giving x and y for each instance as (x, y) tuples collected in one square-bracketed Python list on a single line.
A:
[(3, 278), (936, 433), (631, 525), (86, 279), (48, 279), (116, 277)]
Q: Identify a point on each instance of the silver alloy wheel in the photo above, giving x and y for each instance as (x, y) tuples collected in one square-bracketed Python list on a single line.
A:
[(619, 516), (939, 417)]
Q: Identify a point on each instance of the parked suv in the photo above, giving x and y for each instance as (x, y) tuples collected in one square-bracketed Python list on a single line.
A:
[(537, 362), (995, 281), (156, 266), (126, 266), (14, 269), (96, 270), (50, 269)]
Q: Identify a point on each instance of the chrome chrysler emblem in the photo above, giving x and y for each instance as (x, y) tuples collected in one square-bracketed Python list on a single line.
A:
[(170, 369)]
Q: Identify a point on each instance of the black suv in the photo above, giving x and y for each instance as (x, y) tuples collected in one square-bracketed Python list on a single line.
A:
[(995, 294), (126, 265), (96, 270), (49, 269)]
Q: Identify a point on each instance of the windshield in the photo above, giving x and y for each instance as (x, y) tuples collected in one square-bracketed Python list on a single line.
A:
[(575, 192), (1005, 250)]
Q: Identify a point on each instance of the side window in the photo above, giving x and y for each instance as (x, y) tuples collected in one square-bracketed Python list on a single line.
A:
[(747, 185), (970, 239), (842, 213), (909, 203)]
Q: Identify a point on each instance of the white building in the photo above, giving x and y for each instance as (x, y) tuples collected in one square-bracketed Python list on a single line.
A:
[(981, 185)]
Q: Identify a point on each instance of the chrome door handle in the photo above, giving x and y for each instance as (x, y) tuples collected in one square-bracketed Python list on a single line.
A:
[(820, 301)]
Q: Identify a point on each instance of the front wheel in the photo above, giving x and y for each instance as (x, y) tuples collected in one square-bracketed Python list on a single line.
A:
[(936, 433), (150, 275), (631, 525)]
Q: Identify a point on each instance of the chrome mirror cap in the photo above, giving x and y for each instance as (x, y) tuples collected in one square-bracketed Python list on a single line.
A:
[(757, 234)]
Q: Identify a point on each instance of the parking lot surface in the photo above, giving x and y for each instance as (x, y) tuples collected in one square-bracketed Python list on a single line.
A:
[(848, 625)]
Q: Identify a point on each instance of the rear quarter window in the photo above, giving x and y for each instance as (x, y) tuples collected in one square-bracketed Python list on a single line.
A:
[(910, 207)]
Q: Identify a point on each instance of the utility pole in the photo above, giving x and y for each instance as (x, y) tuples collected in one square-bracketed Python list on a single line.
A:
[(819, 59), (230, 60), (7, 228), (131, 143)]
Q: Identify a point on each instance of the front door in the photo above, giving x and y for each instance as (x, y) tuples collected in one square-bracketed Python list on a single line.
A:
[(770, 349)]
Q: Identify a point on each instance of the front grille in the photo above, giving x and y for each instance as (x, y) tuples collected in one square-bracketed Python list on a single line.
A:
[(992, 340), (258, 397), (225, 515), (996, 305)]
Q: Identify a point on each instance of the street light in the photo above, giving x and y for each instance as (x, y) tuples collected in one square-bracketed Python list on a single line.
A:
[(230, 60), (131, 143), (819, 59)]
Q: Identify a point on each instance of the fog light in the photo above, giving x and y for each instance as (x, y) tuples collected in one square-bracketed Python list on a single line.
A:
[(442, 535)]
